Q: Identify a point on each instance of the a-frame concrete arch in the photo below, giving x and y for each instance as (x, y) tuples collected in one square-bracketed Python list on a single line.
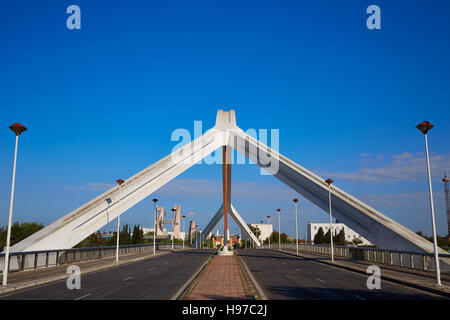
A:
[(78, 224)]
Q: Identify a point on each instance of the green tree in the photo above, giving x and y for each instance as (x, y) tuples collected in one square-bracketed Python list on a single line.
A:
[(340, 241), (19, 231), (442, 242), (125, 235), (319, 238), (255, 231), (138, 235), (284, 238)]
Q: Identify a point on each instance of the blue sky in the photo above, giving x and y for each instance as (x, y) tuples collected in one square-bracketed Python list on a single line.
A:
[(102, 102)]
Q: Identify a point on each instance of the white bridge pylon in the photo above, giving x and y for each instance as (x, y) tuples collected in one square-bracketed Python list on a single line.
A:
[(236, 217), (90, 217)]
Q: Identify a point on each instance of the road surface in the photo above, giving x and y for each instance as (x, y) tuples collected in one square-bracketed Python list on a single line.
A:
[(282, 277), (154, 278)]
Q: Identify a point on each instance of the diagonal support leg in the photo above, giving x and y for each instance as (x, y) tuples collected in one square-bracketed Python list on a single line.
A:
[(244, 227), (237, 218)]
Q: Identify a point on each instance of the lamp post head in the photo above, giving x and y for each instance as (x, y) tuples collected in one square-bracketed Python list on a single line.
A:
[(295, 200), (17, 128), (119, 181), (155, 200), (268, 217), (329, 181), (445, 179), (173, 209), (184, 216), (278, 210), (424, 126)]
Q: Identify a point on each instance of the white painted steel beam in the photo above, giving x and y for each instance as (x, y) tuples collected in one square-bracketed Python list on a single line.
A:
[(80, 223), (370, 223), (237, 218), (90, 217)]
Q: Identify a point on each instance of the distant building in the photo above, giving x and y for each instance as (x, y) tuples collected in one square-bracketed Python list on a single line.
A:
[(350, 235), (217, 240), (265, 228), (107, 234), (147, 230)]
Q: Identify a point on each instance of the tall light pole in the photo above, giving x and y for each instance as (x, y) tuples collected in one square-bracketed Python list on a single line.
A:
[(201, 239), (279, 230), (173, 225), (154, 225), (17, 128), (329, 182), (119, 182), (184, 233), (262, 241), (296, 223), (425, 127), (268, 221)]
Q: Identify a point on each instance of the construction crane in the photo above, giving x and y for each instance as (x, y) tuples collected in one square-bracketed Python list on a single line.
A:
[(447, 201)]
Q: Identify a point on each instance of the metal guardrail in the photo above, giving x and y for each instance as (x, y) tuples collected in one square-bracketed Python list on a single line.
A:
[(412, 260), (19, 261)]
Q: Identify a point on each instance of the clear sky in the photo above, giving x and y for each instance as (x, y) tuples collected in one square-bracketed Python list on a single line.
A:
[(102, 102)]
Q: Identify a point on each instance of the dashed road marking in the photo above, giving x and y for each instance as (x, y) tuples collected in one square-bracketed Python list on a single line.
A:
[(358, 297), (298, 270), (152, 268), (86, 295), (126, 279), (320, 280)]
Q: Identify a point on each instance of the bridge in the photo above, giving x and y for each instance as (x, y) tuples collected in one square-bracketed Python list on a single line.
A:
[(265, 273)]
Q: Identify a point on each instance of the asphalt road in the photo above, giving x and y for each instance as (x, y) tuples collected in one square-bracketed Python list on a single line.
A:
[(282, 277), (154, 278)]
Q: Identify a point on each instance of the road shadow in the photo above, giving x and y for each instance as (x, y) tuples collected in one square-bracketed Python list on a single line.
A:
[(317, 293), (194, 251)]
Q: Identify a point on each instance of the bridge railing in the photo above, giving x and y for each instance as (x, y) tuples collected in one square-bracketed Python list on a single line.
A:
[(411, 260), (19, 261)]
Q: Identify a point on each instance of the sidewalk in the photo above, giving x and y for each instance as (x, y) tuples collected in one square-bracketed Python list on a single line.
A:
[(222, 279), (424, 280), (33, 277)]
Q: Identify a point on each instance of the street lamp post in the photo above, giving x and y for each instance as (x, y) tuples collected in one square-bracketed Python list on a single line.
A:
[(329, 182), (184, 233), (279, 230), (154, 226), (173, 225), (268, 220), (17, 128), (262, 241), (201, 239), (119, 182), (425, 127), (296, 223)]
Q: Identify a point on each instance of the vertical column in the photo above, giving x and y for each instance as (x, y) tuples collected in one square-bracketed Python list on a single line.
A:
[(226, 173)]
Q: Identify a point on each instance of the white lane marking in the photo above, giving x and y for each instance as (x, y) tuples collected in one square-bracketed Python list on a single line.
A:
[(282, 263), (320, 280), (86, 295), (152, 268), (126, 279), (298, 270), (164, 262), (358, 297)]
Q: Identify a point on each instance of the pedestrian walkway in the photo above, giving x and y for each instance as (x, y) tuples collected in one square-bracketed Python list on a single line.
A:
[(415, 278), (222, 279)]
